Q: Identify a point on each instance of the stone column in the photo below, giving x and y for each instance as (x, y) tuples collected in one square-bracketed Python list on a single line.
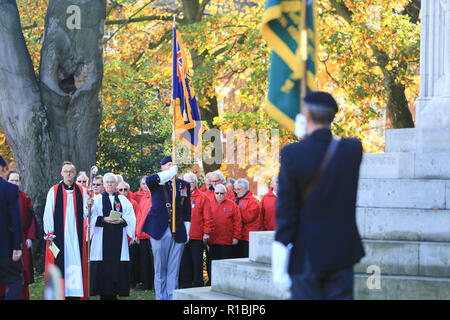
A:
[(433, 105)]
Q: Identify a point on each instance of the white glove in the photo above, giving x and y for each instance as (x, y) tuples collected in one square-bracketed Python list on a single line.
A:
[(167, 175), (280, 265), (300, 126), (187, 226)]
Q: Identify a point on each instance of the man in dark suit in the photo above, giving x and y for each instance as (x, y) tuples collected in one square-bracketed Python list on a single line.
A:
[(10, 237), (167, 250), (317, 241)]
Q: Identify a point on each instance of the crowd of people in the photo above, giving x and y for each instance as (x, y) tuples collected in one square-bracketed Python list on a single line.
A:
[(150, 238), (222, 213)]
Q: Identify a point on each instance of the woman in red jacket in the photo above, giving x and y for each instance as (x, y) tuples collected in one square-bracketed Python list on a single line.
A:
[(268, 206), (147, 272), (249, 209), (227, 226), (191, 269)]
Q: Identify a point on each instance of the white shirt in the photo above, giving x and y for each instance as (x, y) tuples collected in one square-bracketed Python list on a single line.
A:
[(97, 238)]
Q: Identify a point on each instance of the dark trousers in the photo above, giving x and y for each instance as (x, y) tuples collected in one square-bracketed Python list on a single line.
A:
[(191, 268), (134, 265), (146, 264), (240, 250), (325, 285), (218, 252), (11, 276)]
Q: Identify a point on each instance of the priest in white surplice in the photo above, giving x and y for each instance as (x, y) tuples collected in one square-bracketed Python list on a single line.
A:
[(109, 257), (65, 209)]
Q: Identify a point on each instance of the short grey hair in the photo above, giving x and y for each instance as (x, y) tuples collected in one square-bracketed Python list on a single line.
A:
[(110, 176), (190, 175), (126, 184), (220, 186), (220, 174), (320, 114), (243, 183), (143, 178)]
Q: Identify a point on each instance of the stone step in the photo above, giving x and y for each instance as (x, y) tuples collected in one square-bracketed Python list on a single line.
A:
[(244, 278), (403, 224), (420, 140), (202, 293), (392, 257), (411, 258), (401, 288), (391, 288), (252, 280), (404, 193), (406, 165)]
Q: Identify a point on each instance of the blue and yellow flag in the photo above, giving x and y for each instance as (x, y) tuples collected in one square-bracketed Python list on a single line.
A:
[(188, 126), (288, 26)]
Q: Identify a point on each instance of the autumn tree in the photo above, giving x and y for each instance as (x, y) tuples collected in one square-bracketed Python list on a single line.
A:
[(370, 55)]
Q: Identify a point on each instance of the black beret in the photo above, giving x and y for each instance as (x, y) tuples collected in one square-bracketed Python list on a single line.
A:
[(2, 162), (166, 159), (321, 98)]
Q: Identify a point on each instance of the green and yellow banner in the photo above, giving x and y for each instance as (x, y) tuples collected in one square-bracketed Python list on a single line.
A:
[(289, 28)]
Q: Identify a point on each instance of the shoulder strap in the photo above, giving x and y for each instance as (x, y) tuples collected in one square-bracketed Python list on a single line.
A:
[(332, 147)]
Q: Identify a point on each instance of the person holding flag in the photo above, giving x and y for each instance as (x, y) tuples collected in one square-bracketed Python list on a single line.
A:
[(316, 239), (168, 221)]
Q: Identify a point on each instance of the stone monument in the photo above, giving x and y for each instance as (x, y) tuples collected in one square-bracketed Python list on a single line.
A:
[(433, 106)]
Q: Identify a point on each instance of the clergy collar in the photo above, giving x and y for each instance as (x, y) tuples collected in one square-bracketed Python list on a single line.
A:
[(67, 187), (109, 195)]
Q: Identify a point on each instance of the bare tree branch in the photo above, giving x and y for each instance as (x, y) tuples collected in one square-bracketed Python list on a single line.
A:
[(141, 19)]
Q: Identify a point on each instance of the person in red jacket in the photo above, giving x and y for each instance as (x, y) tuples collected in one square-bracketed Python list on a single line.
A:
[(268, 206), (249, 209), (123, 189), (141, 257), (191, 269), (217, 177), (143, 197), (29, 234), (227, 226), (207, 184)]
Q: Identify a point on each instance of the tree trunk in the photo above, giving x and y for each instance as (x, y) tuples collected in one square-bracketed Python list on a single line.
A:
[(397, 105), (57, 118)]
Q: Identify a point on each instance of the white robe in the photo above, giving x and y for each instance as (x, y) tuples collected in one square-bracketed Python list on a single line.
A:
[(97, 238), (73, 279)]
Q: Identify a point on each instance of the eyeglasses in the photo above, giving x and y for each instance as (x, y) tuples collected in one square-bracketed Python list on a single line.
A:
[(221, 193), (97, 184), (216, 181), (123, 189), (82, 181)]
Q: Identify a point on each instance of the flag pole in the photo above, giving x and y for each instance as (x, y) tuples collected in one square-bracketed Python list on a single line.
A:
[(93, 172), (174, 160), (304, 55)]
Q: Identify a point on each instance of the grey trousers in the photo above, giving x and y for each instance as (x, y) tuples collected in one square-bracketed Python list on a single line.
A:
[(167, 257)]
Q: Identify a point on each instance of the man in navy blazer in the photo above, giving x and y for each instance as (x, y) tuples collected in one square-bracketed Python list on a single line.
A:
[(10, 237), (317, 242), (167, 250)]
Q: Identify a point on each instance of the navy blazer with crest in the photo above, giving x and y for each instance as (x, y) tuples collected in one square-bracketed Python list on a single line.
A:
[(157, 220)]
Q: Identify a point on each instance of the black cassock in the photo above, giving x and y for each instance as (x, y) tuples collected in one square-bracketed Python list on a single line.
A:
[(110, 276)]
